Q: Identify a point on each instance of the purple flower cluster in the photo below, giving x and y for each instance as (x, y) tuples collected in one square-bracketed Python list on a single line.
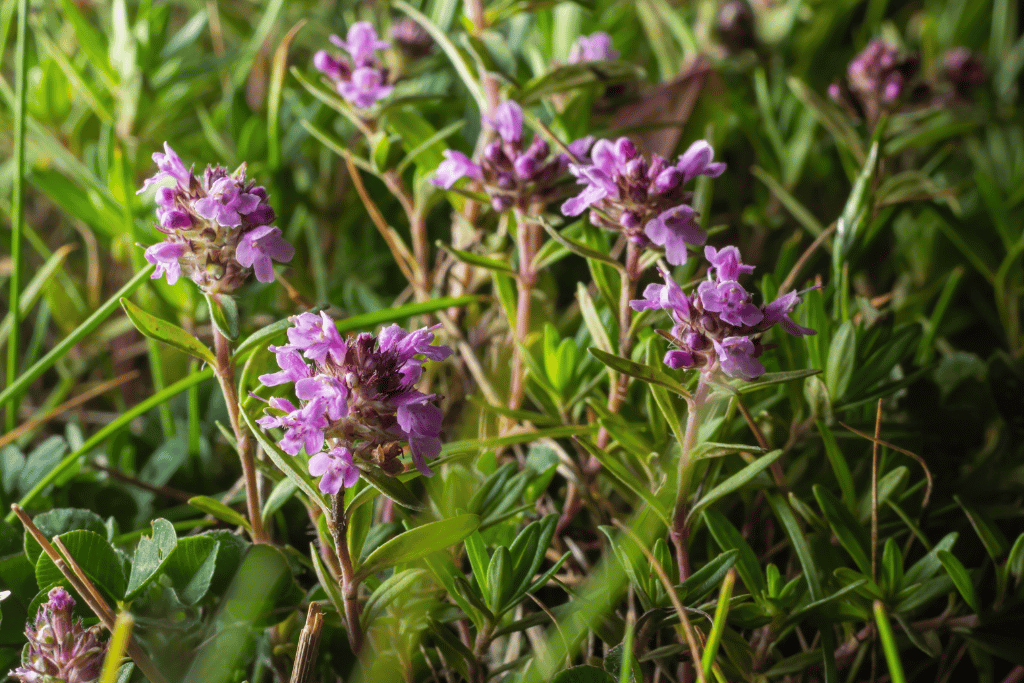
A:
[(597, 47), (60, 649), (646, 201), (513, 173), (963, 71), (360, 79), (717, 326), (875, 80), (357, 399), (217, 228)]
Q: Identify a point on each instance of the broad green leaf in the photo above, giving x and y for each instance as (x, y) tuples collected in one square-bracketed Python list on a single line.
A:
[(192, 566), (499, 584), (229, 642), (417, 542), (167, 332), (961, 579), (150, 556), (212, 506), (94, 555), (57, 522), (735, 481)]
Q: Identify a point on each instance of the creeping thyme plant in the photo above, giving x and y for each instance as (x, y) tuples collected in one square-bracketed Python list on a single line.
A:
[(526, 342)]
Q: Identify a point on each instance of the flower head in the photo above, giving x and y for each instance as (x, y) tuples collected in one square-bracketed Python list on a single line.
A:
[(876, 79), (718, 327), (360, 79), (216, 228), (644, 200), (358, 402), (514, 173), (59, 648), (597, 47)]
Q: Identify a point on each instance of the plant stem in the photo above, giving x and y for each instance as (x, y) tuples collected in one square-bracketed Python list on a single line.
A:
[(627, 292), (483, 642), (680, 532), (528, 243), (17, 212), (225, 372), (349, 585)]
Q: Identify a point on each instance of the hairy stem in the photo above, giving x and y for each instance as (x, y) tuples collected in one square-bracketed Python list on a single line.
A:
[(349, 584), (225, 372), (627, 292), (528, 243), (680, 532)]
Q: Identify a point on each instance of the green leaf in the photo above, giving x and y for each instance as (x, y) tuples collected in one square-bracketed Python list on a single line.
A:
[(735, 481), (991, 537), (583, 674), (961, 579), (614, 468), (573, 76), (842, 355), (212, 506), (229, 641), (393, 488), (279, 495), (167, 332), (224, 314), (851, 534), (856, 204), (150, 556), (90, 40), (642, 372), (191, 567), (772, 378), (707, 578), (499, 584), (94, 555), (476, 259), (728, 538), (830, 118), (57, 522), (393, 587), (579, 248), (417, 542)]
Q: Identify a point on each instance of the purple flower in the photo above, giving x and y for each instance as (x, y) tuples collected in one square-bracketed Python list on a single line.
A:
[(357, 399), (778, 312), (331, 67), (673, 229), (726, 262), (226, 203), (170, 166), (644, 200), (718, 327), (596, 47), (60, 648), (455, 166), (365, 88), (317, 337), (876, 79), (508, 121), (258, 246), (730, 301), (165, 255), (362, 43), (293, 368), (736, 355), (336, 468)]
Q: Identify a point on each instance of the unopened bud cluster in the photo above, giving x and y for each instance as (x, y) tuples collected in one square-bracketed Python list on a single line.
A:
[(718, 326), (514, 174), (217, 227), (361, 79), (358, 403), (60, 648)]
